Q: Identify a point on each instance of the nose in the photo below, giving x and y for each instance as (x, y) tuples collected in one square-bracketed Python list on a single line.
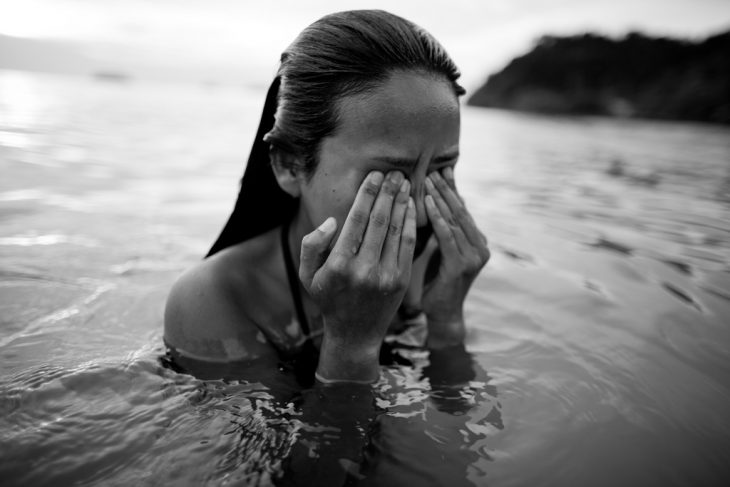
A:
[(418, 192)]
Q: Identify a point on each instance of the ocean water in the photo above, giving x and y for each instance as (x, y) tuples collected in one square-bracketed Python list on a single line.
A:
[(598, 350)]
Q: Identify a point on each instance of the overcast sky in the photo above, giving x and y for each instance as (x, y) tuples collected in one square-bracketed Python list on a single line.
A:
[(244, 38)]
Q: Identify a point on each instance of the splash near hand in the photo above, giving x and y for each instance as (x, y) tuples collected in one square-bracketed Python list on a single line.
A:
[(463, 253)]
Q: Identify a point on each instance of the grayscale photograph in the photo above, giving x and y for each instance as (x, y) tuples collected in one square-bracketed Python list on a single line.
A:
[(348, 243)]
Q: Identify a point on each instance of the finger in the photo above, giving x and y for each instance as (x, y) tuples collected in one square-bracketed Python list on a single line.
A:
[(314, 251), (446, 239), (448, 174), (446, 213), (379, 220), (461, 215), (354, 227), (407, 239), (447, 193), (391, 246), (458, 211)]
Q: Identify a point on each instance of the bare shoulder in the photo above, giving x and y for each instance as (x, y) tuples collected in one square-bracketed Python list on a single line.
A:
[(206, 316)]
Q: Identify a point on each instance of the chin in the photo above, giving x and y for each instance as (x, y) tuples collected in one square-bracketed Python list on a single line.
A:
[(422, 235)]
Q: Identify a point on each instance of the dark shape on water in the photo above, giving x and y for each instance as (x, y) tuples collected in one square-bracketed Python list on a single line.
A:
[(682, 295), (616, 168), (592, 286), (603, 243), (682, 267), (517, 255), (619, 169), (648, 179), (112, 76), (636, 76)]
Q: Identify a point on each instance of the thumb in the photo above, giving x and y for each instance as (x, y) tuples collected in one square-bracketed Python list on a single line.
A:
[(315, 248)]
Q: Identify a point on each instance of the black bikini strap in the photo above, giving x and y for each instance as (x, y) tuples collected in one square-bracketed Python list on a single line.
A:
[(293, 277)]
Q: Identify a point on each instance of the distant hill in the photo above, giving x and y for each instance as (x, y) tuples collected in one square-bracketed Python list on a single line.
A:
[(637, 76), (125, 61), (43, 55)]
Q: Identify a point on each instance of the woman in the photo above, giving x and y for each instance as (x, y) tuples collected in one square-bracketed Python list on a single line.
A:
[(348, 220)]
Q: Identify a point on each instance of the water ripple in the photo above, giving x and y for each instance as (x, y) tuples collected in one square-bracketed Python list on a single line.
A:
[(56, 318)]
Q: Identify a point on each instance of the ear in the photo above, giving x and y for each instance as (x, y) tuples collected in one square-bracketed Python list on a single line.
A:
[(284, 163)]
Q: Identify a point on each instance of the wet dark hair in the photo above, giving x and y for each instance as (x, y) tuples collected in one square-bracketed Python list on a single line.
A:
[(342, 54)]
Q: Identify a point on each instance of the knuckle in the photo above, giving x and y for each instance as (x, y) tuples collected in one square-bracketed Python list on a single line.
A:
[(359, 217), (339, 265), (362, 274), (391, 282), (408, 239), (379, 219), (440, 183), (394, 230), (387, 283), (370, 188), (461, 214), (438, 217), (390, 187), (476, 262)]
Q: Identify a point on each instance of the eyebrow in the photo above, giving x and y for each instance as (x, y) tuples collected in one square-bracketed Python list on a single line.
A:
[(407, 163)]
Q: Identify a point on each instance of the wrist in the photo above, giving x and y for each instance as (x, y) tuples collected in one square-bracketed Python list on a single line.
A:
[(445, 332), (445, 320), (341, 362)]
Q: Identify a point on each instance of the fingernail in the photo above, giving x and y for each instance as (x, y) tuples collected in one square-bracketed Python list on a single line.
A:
[(411, 204), (396, 177), (405, 186), (376, 177), (429, 183), (429, 200), (449, 173), (328, 225)]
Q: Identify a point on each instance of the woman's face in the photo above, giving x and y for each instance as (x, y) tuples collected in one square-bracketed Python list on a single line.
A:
[(410, 123)]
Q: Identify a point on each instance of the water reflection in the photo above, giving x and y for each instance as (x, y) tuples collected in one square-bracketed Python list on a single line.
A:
[(723, 188), (455, 384), (440, 410), (21, 102), (424, 421)]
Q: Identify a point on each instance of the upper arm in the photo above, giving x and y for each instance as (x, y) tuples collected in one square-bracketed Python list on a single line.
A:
[(203, 321)]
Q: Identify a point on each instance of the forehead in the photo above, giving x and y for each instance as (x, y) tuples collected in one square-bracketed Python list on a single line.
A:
[(409, 114)]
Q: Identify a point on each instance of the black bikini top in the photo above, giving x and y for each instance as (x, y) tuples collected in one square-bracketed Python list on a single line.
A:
[(293, 278)]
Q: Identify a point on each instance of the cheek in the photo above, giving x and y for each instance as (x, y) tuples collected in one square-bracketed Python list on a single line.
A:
[(340, 202), (330, 197), (334, 195)]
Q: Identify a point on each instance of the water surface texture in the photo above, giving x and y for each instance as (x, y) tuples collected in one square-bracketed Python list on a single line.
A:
[(598, 350)]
